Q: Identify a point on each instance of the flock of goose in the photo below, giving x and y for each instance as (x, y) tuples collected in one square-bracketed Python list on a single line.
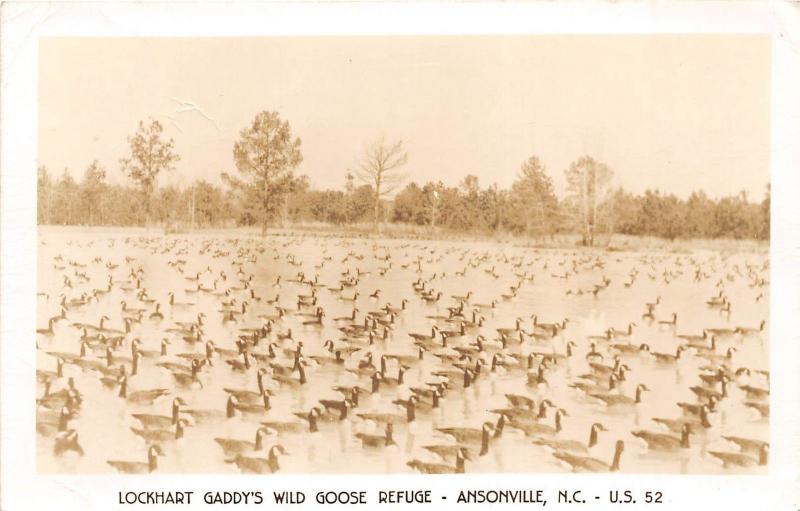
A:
[(319, 354)]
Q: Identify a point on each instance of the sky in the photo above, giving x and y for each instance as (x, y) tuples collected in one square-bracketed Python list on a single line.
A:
[(674, 112)]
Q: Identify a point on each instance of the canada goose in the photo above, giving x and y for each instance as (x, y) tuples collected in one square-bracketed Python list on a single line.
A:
[(60, 317), (335, 360), (510, 331), (697, 424), (318, 321), (349, 318), (717, 301), (383, 418), (469, 435), (483, 306), (162, 435), (409, 359), (139, 396), (135, 467), (232, 447), (604, 370), (250, 396), (667, 358), (586, 464), (694, 338), (663, 442), (669, 322), (43, 376), (722, 332), (391, 381), (252, 408), (45, 427), (601, 338), (692, 409), (746, 445), (157, 315), (745, 331), (623, 333), (572, 445), (423, 337), (740, 459), (268, 465), (137, 342), (384, 440), (630, 349), (448, 452), (353, 299), (755, 393), (431, 298), (240, 365), (761, 408), (289, 380), (717, 358), (190, 379), (67, 441), (297, 426), (520, 401), (396, 310), (707, 394), (47, 332), (150, 421), (69, 395), (439, 468), (538, 429), (174, 303), (622, 399)]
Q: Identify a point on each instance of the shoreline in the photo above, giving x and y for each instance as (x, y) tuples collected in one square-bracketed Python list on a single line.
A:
[(613, 243)]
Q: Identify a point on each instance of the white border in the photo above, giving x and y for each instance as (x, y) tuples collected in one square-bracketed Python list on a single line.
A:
[(24, 23)]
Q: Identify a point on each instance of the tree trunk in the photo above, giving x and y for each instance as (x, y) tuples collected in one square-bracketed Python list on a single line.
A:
[(147, 208), (375, 222), (264, 204)]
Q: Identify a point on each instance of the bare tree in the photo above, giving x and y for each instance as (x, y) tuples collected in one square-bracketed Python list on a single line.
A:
[(379, 167), (150, 155), (265, 156), (587, 181)]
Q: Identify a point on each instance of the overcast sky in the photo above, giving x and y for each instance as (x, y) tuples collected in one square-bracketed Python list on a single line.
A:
[(676, 113)]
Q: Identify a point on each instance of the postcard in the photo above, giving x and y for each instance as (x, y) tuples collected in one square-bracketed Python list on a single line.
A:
[(409, 264)]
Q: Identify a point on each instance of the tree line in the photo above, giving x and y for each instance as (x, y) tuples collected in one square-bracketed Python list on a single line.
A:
[(265, 190)]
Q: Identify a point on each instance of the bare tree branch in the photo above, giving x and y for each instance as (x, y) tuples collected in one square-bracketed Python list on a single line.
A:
[(378, 167)]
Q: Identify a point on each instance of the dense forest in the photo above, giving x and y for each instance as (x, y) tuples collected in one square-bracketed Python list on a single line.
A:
[(265, 191)]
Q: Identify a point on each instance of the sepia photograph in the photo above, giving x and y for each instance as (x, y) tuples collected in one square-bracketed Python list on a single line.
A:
[(406, 254), (426, 254)]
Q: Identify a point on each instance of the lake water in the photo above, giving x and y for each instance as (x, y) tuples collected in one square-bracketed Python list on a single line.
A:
[(104, 420)]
